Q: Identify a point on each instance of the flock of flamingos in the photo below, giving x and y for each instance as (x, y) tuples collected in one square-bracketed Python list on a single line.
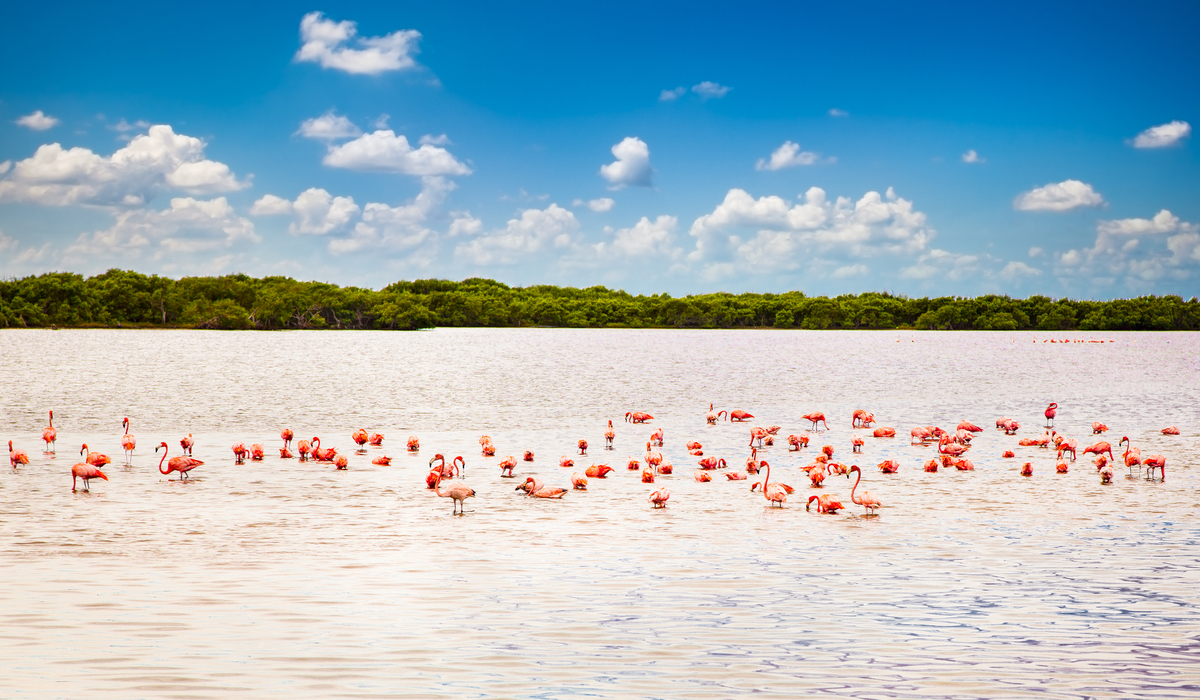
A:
[(951, 453)]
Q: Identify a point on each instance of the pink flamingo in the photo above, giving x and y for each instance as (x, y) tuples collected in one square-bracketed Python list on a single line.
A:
[(739, 416), (414, 444), (609, 435), (360, 437), (1066, 445), (1008, 454), (825, 503), (458, 465), (187, 442), (341, 462), (816, 417), (1155, 462), (326, 454), (50, 436), (383, 461), (1170, 431), (659, 497), (599, 471), (303, 447), (711, 463), (1027, 469), (889, 466), (183, 465), (774, 493), (711, 417), (931, 465), (16, 457), (920, 434), (702, 476), (507, 465), (969, 426), (665, 468), (256, 452), (94, 458), (758, 484), (964, 465), (285, 453), (1132, 456), (752, 461), (578, 481), (816, 474), (884, 432), (528, 456), (774, 429), (633, 464), (795, 442), (458, 492), (533, 487), (693, 445), (857, 444), (948, 448), (1099, 447), (867, 500), (376, 440), (582, 444), (1060, 467), (653, 458), (735, 476), (565, 462), (656, 438), (757, 434), (1106, 474), (1098, 428), (1051, 410), (287, 436), (128, 441), (647, 475), (861, 419), (637, 417), (239, 452), (87, 472)]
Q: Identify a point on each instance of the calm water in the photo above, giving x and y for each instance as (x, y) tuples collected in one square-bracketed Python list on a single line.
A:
[(283, 579)]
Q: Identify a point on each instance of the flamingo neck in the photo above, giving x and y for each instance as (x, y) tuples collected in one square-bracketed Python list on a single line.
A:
[(160, 462), (766, 480), (852, 488)]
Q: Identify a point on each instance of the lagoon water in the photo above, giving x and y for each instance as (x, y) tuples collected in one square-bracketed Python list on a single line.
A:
[(293, 580)]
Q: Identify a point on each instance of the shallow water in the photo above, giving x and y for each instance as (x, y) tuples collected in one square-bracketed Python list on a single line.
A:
[(287, 579)]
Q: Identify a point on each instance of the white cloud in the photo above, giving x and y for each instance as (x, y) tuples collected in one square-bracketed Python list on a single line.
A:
[(602, 204), (324, 42), (1062, 196), (318, 212), (786, 156), (1163, 135), (463, 224), (645, 238), (632, 166), (7, 244), (384, 151), (381, 122), (270, 205), (835, 112), (431, 140), (124, 126), (786, 234), (1140, 251), (942, 263), (4, 166), (1016, 269), (157, 160), (1035, 252), (971, 157), (533, 231), (388, 228), (672, 95), (710, 90), (858, 270), (38, 121), (329, 127), (187, 226)]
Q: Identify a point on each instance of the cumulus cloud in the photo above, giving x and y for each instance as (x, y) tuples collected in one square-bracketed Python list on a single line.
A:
[(788, 155), (971, 157), (844, 271), (157, 160), (937, 263), (38, 121), (270, 205), (534, 230), (463, 224), (1061, 196), (318, 212), (329, 127), (786, 233), (1141, 251), (710, 90), (334, 45), (431, 140), (1163, 135), (602, 204), (645, 238), (405, 227), (187, 226), (1015, 269), (1035, 251), (672, 95), (384, 151), (632, 166)]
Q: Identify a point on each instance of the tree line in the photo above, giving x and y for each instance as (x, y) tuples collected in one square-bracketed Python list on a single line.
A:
[(131, 299)]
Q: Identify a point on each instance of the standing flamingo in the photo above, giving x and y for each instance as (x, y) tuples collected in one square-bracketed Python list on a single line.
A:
[(128, 441), (360, 437), (183, 465), (656, 438), (87, 472), (816, 417), (608, 436), (757, 434), (303, 447), (637, 417), (528, 457), (710, 416), (867, 500), (458, 492), (1051, 410), (579, 481), (825, 504), (507, 465), (1099, 447), (857, 443), (94, 458), (16, 457), (239, 452), (738, 416), (1155, 462), (659, 497), (774, 493), (256, 452), (187, 442), (413, 443), (50, 436), (582, 445), (287, 436)]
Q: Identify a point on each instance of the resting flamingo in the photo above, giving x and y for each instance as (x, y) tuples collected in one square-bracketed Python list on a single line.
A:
[(774, 493), (600, 471), (87, 472), (609, 435), (1170, 431), (533, 487), (187, 442), (633, 464), (565, 462), (376, 440), (884, 432), (702, 476), (867, 500), (969, 426), (128, 441), (889, 466), (285, 453), (382, 460), (16, 457), (647, 475), (94, 458), (693, 445), (360, 437), (458, 492), (659, 498), (50, 436), (735, 476), (341, 462), (1051, 410), (181, 464)]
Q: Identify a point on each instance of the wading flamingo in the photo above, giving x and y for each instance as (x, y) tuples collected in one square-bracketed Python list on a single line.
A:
[(579, 481), (528, 456), (1066, 445), (458, 492), (889, 466), (1106, 474), (321, 454), (706, 463), (969, 426), (752, 461), (87, 472), (609, 435), (964, 465), (693, 445), (1098, 428), (884, 432), (862, 419), (507, 465), (659, 497), (285, 453), (665, 468), (187, 442), (1170, 431), (1099, 447), (50, 436), (711, 417), (702, 476), (1027, 469), (795, 442), (739, 416), (181, 464), (757, 434), (735, 476), (303, 447), (775, 494), (931, 465), (16, 457), (383, 461), (633, 464), (565, 462), (341, 462), (1051, 410), (360, 438), (1008, 454), (414, 444), (1132, 456), (239, 452), (857, 444), (582, 444), (656, 438), (647, 475), (1060, 467), (867, 500), (637, 417), (600, 471), (816, 417), (825, 503), (533, 487), (920, 434), (816, 474), (376, 440), (1155, 462), (128, 442), (94, 458), (286, 435), (256, 452)]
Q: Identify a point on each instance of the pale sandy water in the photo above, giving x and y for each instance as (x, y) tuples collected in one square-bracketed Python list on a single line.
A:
[(282, 579)]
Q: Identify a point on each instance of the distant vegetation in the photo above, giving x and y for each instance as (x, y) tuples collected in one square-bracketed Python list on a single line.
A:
[(242, 302)]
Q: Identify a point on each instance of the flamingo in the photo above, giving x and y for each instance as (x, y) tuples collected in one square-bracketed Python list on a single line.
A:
[(653, 458), (969, 426), (774, 493), (1066, 445), (87, 472), (633, 464), (128, 441), (867, 500), (187, 442), (702, 476), (722, 413), (1027, 469), (656, 438), (964, 465), (758, 484), (582, 447), (16, 457), (256, 452), (533, 487), (1011, 426), (884, 432), (181, 464), (50, 436), (341, 462), (693, 445), (321, 454), (507, 465), (360, 437), (458, 465), (579, 481), (665, 468), (735, 476), (609, 435), (414, 444), (239, 452), (383, 461), (659, 497), (825, 503), (861, 419), (637, 417), (286, 434), (739, 416), (1098, 428), (376, 440), (752, 461), (1132, 456), (1106, 474), (458, 492), (486, 446), (1051, 410), (285, 453), (303, 447), (795, 442), (774, 429), (1060, 467), (565, 462), (528, 456), (600, 471), (94, 458), (948, 448), (647, 475), (889, 466), (919, 434), (1170, 431), (816, 474), (757, 434), (931, 465), (816, 417), (710, 416), (857, 443), (1099, 447), (1008, 454), (710, 463), (1155, 462)]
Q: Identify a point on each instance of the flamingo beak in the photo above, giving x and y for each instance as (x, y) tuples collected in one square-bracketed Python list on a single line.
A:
[(101, 475)]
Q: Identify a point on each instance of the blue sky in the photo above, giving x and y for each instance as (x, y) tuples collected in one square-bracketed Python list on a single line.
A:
[(945, 148)]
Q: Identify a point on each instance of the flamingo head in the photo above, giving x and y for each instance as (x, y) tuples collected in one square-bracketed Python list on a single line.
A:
[(810, 500), (755, 485), (81, 449), (125, 423), (162, 445), (853, 468), (1123, 441)]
